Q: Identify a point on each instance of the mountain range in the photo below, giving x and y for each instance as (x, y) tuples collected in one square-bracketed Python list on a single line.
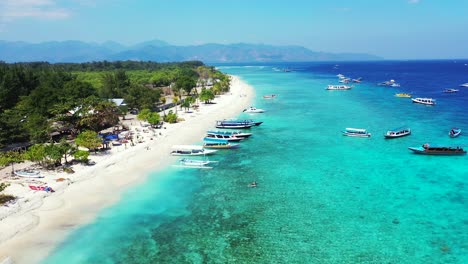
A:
[(160, 51)]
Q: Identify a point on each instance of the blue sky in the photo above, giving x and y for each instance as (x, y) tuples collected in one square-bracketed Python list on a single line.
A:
[(394, 29)]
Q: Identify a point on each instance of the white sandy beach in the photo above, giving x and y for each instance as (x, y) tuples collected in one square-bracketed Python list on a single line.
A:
[(33, 225)]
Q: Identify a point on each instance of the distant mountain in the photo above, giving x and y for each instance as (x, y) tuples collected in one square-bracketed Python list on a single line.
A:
[(160, 51)]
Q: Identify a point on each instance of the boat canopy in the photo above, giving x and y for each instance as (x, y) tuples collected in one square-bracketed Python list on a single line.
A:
[(355, 129), (188, 147)]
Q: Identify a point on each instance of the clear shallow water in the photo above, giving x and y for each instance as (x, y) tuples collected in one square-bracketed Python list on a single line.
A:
[(321, 197)]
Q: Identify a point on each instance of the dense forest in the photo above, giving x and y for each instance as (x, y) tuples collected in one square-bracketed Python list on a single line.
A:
[(39, 99)]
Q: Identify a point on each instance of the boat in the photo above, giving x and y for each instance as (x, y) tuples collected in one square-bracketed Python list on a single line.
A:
[(269, 96), (426, 101), (237, 123), (253, 110), (29, 174), (238, 134), (190, 150), (356, 132), (338, 87), (454, 132), (229, 138), (218, 144), (345, 80), (398, 132), (233, 124), (358, 80), (405, 95), (450, 90), (429, 150), (389, 83), (464, 85), (194, 164)]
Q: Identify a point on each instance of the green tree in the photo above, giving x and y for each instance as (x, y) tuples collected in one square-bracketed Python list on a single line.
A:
[(10, 158), (98, 114), (81, 155), (88, 139), (144, 114), (171, 117), (206, 95), (36, 153), (154, 119), (184, 83)]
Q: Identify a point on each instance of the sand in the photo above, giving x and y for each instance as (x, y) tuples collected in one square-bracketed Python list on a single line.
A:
[(38, 221)]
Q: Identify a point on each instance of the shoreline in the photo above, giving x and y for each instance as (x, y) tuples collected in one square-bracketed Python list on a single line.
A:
[(78, 201)]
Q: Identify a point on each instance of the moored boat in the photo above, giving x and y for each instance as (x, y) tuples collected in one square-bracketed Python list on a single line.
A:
[(190, 150), (239, 134), (269, 96), (253, 110), (454, 132), (338, 87), (426, 101), (230, 138), (356, 132), (194, 164), (429, 150), (398, 132), (219, 144), (239, 124)]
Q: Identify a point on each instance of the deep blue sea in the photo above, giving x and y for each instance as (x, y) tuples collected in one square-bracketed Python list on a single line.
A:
[(321, 197)]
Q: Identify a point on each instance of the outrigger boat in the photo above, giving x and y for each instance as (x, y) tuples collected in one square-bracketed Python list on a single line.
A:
[(398, 132), (428, 150), (269, 96), (338, 87), (229, 138), (253, 110), (191, 150), (451, 90), (238, 134), (405, 95), (212, 143), (356, 132), (454, 132), (236, 124), (194, 164), (29, 174)]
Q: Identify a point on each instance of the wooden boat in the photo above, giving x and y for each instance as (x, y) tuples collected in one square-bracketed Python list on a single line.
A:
[(253, 110), (398, 132), (28, 174), (338, 87), (426, 101), (191, 150), (404, 95), (238, 134), (219, 144), (428, 150), (454, 132), (451, 90), (269, 96), (236, 123), (356, 132), (229, 138), (194, 164), (233, 125)]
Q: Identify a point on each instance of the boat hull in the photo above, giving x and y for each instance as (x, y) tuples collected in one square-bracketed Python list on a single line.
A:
[(397, 134), (440, 151), (454, 133)]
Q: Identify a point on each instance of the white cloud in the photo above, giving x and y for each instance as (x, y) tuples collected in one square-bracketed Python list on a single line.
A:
[(40, 9), (413, 1)]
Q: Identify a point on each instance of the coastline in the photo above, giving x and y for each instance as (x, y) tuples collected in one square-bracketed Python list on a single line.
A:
[(34, 225)]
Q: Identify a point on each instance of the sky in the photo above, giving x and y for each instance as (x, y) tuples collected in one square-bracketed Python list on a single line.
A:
[(393, 29)]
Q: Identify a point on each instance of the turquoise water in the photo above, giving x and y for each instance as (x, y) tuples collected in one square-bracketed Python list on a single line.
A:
[(321, 197)]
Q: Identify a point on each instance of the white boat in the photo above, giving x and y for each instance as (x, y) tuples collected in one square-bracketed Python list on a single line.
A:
[(253, 110), (194, 164), (238, 134), (29, 174), (339, 87), (356, 132), (426, 101), (190, 150), (450, 90), (391, 83), (464, 85)]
